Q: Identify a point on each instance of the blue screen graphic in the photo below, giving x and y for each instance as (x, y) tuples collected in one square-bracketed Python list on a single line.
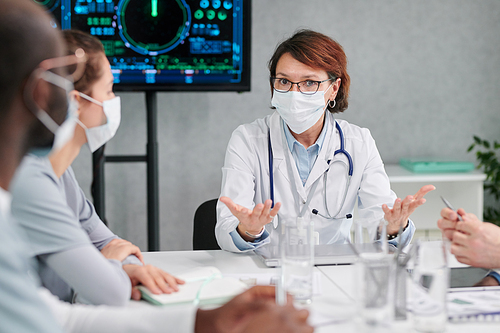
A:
[(191, 45)]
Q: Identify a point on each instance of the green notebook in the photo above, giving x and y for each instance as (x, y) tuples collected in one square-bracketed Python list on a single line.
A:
[(204, 284), (423, 165)]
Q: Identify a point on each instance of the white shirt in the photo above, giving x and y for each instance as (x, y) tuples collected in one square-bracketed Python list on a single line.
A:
[(21, 310)]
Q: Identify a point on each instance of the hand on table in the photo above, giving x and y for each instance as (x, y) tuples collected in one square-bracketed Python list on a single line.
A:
[(153, 278), (402, 209), (119, 249), (253, 311), (252, 220), (473, 242)]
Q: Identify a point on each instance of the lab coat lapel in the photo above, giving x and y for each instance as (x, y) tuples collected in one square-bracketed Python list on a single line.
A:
[(331, 143), (279, 158)]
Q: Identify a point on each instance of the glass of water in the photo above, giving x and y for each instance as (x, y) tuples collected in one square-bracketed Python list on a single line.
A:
[(375, 273), (297, 259), (430, 285)]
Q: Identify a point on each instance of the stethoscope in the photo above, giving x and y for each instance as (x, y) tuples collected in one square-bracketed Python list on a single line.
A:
[(350, 168)]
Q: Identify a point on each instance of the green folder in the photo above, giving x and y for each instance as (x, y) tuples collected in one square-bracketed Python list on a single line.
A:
[(428, 165)]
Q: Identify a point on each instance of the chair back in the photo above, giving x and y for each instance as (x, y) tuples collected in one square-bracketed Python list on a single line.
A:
[(205, 219)]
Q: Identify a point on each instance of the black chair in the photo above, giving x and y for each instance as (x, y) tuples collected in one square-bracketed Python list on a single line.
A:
[(205, 219)]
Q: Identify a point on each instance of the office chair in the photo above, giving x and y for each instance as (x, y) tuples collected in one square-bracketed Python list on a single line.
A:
[(205, 219)]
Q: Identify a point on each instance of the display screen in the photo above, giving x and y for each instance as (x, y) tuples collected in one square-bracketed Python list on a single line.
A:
[(182, 45)]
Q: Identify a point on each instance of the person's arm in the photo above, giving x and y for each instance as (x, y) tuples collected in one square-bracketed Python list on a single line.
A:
[(101, 236), (238, 185), (375, 190), (252, 311), (400, 212), (78, 318), (112, 247), (98, 232), (375, 193), (21, 310), (406, 236), (492, 279), (256, 219), (94, 278)]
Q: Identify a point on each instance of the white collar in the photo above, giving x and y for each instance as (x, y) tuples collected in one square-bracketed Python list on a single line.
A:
[(5, 200)]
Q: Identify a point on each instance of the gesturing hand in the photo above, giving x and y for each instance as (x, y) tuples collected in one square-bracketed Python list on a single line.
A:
[(153, 278), (120, 249), (254, 220), (402, 210)]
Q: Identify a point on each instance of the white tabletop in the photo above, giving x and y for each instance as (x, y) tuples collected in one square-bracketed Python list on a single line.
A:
[(334, 309)]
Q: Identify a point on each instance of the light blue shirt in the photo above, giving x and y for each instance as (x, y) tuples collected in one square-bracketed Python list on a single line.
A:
[(66, 235), (305, 158), (21, 309)]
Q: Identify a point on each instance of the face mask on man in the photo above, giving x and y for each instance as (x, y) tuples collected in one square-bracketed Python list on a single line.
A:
[(99, 135), (299, 111), (64, 132)]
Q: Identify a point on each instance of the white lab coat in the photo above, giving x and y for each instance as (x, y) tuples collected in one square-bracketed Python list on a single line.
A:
[(245, 179)]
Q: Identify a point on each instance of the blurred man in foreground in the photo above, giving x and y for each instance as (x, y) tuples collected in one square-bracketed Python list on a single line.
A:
[(33, 107)]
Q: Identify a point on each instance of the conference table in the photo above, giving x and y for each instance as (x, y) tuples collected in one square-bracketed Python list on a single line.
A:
[(333, 305)]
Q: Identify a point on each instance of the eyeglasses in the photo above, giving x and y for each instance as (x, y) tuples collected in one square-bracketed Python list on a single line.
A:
[(307, 87)]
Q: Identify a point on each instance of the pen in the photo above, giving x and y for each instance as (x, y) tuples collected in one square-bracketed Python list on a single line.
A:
[(448, 204)]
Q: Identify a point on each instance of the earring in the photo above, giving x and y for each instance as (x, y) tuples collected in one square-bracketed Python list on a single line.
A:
[(334, 103)]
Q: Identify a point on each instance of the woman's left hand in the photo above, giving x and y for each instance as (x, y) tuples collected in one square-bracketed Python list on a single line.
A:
[(153, 278), (398, 215)]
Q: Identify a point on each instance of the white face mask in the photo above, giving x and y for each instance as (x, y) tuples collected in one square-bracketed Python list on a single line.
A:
[(99, 135), (299, 111), (64, 132)]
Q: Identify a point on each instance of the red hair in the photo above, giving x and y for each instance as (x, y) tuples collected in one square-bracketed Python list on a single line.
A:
[(94, 50), (320, 52)]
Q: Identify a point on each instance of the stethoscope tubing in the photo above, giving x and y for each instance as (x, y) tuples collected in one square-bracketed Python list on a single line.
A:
[(338, 151), (271, 173)]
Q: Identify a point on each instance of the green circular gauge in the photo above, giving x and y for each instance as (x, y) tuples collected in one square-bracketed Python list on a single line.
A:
[(153, 26), (49, 4)]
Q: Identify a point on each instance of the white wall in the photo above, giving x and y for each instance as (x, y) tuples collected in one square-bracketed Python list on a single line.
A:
[(425, 78)]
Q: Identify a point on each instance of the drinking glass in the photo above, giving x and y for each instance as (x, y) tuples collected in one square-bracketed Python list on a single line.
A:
[(297, 259), (430, 285), (375, 289)]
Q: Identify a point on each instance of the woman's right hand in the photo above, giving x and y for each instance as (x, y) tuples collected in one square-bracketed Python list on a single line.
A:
[(119, 249), (254, 220)]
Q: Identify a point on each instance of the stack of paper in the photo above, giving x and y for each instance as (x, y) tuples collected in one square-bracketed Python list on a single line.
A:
[(481, 305)]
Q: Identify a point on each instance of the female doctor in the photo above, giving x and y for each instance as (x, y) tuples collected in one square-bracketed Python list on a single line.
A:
[(305, 161), (78, 257)]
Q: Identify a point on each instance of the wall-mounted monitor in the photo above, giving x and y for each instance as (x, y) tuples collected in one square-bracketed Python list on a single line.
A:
[(180, 45)]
